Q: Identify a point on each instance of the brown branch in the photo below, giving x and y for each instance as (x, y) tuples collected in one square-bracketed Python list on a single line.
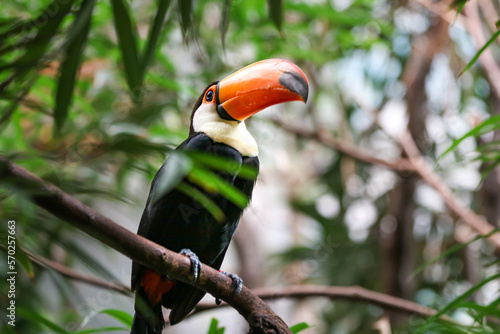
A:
[(352, 293), (324, 137), (475, 28), (258, 315), (455, 205), (76, 275)]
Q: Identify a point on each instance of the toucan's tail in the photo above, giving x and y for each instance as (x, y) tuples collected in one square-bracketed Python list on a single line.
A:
[(147, 319)]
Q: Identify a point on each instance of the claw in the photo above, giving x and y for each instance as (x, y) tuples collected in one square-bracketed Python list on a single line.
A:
[(237, 282), (195, 262)]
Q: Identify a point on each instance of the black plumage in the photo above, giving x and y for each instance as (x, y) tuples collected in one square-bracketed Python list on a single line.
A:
[(179, 221)]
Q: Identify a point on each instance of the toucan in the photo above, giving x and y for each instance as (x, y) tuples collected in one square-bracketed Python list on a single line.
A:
[(183, 222)]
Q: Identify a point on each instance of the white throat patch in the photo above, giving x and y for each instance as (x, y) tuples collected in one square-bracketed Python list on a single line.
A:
[(235, 134)]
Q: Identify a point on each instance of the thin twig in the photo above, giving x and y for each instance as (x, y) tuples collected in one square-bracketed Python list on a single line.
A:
[(324, 137), (475, 28), (76, 275), (352, 293)]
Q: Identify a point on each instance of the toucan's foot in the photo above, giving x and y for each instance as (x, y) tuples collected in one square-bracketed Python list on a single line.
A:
[(195, 262), (237, 282)]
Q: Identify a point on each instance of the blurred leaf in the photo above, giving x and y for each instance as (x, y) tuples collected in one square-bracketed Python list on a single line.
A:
[(127, 42), (478, 54), (460, 5), (214, 327), (171, 174), (456, 302), (224, 22), (23, 259), (223, 164), (103, 330), (491, 124), (212, 183), (185, 11), (276, 13), (450, 251), (154, 36), (203, 199), (75, 44), (120, 315), (299, 327), (33, 52), (38, 318)]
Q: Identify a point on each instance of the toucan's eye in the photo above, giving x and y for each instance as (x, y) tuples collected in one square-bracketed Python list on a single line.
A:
[(210, 96)]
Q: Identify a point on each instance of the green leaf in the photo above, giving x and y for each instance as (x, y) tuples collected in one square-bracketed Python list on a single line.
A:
[(452, 250), (223, 164), (120, 315), (202, 199), (154, 36), (185, 11), (34, 52), (103, 330), (460, 5), (214, 327), (299, 327), (127, 42), (276, 12), (75, 44), (456, 302), (478, 54), (37, 318), (23, 259), (211, 182), (224, 22), (491, 124)]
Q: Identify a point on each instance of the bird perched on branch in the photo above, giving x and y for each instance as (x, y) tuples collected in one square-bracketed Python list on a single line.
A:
[(194, 209)]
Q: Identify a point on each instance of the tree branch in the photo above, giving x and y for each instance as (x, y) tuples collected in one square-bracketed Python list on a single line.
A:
[(461, 210), (76, 275), (259, 316), (353, 293), (325, 138)]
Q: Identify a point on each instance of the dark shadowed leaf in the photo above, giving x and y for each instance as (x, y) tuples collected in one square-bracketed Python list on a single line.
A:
[(276, 12), (38, 318), (75, 44), (185, 11), (154, 35), (224, 21), (127, 41), (478, 54)]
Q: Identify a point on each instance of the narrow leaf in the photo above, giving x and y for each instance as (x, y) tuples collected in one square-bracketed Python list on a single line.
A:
[(202, 199), (75, 44), (276, 12), (127, 42), (103, 330), (224, 22), (185, 11), (37, 318), (154, 35), (490, 124), (478, 54), (119, 315), (299, 327)]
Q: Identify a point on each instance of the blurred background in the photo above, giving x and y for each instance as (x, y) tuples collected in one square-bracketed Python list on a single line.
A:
[(94, 94)]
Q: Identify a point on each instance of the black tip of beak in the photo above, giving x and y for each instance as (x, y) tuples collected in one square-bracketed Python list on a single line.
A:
[(295, 83)]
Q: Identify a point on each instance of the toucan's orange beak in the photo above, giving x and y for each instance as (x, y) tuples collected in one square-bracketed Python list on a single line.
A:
[(258, 86)]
